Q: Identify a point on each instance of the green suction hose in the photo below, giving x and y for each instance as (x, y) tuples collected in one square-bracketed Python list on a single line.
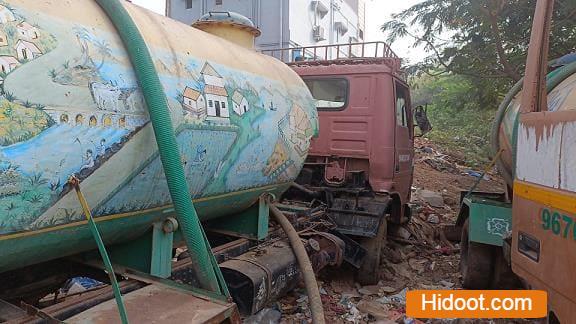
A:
[(101, 248), (157, 104)]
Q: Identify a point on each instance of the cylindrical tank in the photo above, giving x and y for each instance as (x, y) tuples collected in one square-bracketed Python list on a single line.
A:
[(71, 104), (561, 85)]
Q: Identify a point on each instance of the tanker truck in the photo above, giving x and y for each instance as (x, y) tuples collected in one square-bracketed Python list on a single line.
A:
[(524, 236), (149, 155), (122, 130)]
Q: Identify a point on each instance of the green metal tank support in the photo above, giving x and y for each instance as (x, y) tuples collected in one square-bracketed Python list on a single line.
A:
[(206, 271)]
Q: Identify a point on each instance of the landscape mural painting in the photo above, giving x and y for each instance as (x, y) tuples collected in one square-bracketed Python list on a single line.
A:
[(70, 105)]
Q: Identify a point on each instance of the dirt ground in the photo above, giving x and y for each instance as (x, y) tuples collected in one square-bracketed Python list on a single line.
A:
[(416, 256)]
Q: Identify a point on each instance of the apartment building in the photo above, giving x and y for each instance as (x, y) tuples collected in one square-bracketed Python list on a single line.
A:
[(285, 23)]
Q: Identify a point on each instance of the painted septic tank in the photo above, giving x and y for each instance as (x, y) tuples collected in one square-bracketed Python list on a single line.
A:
[(71, 104), (560, 98)]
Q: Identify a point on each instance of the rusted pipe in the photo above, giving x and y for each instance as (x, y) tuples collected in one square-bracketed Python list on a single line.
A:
[(305, 190), (305, 265)]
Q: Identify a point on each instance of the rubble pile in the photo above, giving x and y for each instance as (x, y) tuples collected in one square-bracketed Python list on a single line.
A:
[(416, 255)]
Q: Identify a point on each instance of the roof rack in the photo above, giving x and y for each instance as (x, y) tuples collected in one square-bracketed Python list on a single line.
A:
[(349, 53)]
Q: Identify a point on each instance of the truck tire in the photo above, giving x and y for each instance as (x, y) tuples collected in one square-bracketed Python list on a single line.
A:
[(476, 262), (368, 272), (503, 277)]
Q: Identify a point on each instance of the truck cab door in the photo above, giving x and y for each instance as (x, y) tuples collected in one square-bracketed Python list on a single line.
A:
[(404, 142)]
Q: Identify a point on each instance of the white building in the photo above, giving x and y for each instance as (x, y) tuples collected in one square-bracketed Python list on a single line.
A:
[(194, 103), (216, 95), (6, 15), (285, 23), (27, 50), (240, 103), (27, 31), (8, 63)]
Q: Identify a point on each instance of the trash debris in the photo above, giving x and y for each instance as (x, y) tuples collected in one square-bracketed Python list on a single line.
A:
[(369, 290), (377, 310), (351, 294), (446, 284), (427, 149), (416, 255), (401, 232), (434, 199), (80, 284), (417, 265), (385, 321), (302, 299), (388, 289), (401, 269), (399, 298), (433, 219), (353, 315), (441, 165), (474, 174), (265, 316)]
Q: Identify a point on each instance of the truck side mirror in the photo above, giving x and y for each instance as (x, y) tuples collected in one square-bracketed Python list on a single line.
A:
[(422, 121)]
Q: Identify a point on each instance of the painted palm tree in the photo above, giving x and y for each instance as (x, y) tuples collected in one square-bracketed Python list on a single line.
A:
[(104, 51), (84, 37)]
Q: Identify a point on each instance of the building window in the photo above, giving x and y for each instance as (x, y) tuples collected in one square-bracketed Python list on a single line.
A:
[(223, 105), (218, 2), (210, 103), (361, 34), (189, 4)]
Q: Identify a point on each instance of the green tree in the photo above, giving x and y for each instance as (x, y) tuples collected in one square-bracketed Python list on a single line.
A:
[(485, 41), (460, 125)]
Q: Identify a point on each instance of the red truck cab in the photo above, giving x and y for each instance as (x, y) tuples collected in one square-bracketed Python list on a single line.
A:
[(362, 160)]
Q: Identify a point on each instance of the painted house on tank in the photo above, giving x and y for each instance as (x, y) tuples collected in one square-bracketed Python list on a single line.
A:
[(8, 63), (216, 95), (27, 31), (194, 103), (3, 39), (296, 130), (240, 103), (6, 15), (27, 50)]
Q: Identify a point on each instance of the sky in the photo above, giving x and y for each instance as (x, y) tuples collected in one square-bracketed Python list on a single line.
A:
[(154, 5), (377, 12)]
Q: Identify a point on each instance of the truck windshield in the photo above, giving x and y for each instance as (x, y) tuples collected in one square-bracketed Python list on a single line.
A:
[(329, 94)]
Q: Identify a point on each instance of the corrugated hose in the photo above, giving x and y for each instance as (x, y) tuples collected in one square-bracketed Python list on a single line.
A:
[(310, 282), (207, 274)]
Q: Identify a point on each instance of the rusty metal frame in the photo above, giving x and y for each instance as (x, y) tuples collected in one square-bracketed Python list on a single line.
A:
[(353, 54), (534, 94)]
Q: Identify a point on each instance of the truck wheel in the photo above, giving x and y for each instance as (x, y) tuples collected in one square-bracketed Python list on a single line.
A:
[(503, 277), (476, 262), (368, 272)]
